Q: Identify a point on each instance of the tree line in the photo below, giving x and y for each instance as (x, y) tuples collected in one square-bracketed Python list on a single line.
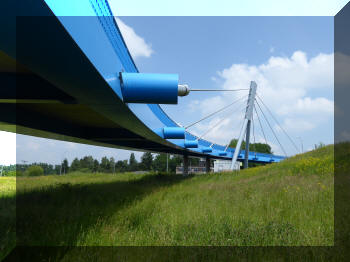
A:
[(256, 147), (149, 162)]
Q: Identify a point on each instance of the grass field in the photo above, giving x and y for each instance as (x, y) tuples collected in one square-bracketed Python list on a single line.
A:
[(286, 204)]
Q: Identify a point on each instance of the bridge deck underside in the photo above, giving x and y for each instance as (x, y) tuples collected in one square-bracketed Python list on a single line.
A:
[(50, 88)]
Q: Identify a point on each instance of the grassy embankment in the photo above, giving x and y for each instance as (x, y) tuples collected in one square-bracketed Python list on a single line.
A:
[(290, 203), (7, 214)]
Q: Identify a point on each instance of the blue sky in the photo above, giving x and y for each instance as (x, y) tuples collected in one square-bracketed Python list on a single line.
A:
[(291, 58)]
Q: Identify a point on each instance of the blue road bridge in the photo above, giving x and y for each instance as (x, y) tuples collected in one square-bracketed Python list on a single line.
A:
[(66, 74)]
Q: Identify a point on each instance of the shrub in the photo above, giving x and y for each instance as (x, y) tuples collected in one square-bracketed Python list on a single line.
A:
[(34, 171), (11, 173)]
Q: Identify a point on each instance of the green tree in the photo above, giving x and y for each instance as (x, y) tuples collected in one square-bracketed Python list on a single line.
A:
[(34, 171), (234, 142), (87, 163), (175, 161), (57, 169), (75, 165), (13, 173), (121, 166), (132, 162), (96, 166), (194, 161), (257, 147), (112, 165), (261, 148), (48, 169), (65, 166), (319, 145), (105, 165), (146, 161), (159, 162)]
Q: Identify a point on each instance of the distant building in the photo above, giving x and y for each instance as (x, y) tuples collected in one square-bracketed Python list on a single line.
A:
[(140, 172), (225, 165), (194, 169), (219, 166)]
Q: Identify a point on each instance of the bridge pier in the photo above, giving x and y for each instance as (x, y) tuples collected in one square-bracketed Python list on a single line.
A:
[(245, 130), (185, 166), (207, 165), (247, 141)]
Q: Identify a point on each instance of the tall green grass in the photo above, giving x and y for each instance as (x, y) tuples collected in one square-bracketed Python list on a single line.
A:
[(7, 214), (286, 204)]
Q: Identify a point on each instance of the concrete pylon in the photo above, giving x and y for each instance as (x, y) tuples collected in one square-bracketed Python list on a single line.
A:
[(207, 165), (247, 118), (247, 141)]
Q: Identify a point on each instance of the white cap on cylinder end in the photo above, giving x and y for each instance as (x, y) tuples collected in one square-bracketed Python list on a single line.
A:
[(183, 90)]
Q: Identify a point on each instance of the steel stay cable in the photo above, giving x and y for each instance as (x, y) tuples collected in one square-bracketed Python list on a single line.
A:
[(262, 129), (217, 90), (239, 131), (253, 134), (271, 128), (215, 125), (278, 123), (221, 109)]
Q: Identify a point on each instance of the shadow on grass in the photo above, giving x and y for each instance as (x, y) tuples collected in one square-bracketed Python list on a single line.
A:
[(174, 254), (7, 225), (58, 215)]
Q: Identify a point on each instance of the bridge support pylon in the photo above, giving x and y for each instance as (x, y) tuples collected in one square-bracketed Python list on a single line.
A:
[(246, 128), (207, 165), (247, 139), (185, 166)]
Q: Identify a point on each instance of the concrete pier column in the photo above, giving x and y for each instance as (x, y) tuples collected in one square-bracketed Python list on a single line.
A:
[(247, 138), (207, 165), (185, 165)]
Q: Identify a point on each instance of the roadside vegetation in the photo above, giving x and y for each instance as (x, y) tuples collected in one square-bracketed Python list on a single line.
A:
[(149, 163), (284, 204), (7, 214)]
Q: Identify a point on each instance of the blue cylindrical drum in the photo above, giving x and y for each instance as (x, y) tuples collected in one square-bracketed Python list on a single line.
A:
[(191, 143), (174, 132), (207, 149), (149, 88)]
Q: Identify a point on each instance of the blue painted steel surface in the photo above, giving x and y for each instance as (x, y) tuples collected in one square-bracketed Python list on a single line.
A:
[(207, 149), (174, 132), (191, 144), (149, 88)]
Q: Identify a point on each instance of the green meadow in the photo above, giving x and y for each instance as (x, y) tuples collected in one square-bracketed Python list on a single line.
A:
[(284, 204)]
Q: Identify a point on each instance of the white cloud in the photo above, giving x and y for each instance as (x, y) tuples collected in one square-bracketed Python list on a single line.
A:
[(32, 146), (308, 106), (136, 44), (7, 148), (70, 145), (287, 86), (297, 125)]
